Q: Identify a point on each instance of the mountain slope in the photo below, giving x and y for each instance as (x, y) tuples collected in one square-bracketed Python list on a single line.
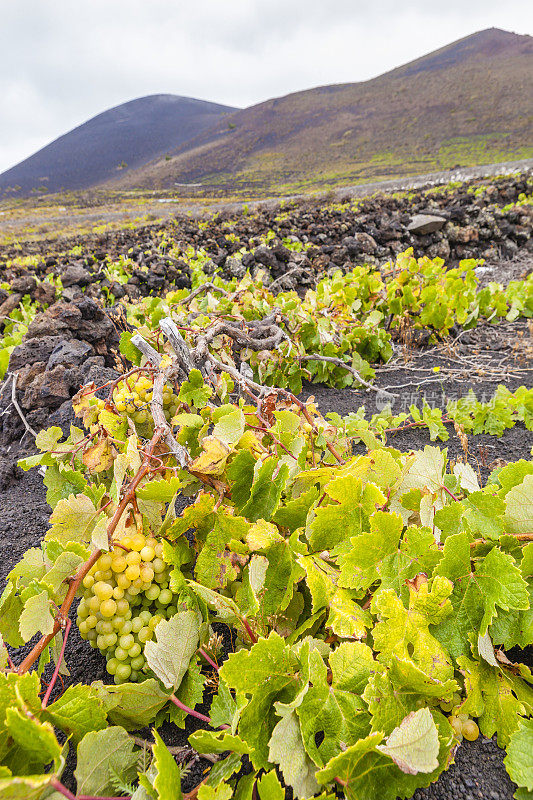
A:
[(468, 103), (132, 134)]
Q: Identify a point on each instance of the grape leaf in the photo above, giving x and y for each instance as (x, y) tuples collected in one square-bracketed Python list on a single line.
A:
[(347, 515), (29, 787), (334, 715), (61, 483), (65, 565), (414, 744), (269, 787), (266, 490), (519, 506), (351, 664), (36, 616), (229, 424), (177, 641), (240, 474), (346, 618), (518, 761), (73, 520), (36, 739), (286, 748), (214, 566), (223, 706), (101, 756), (495, 582), (360, 566), (496, 698), (221, 792), (293, 513), (193, 391), (77, 711), (131, 705), (217, 742), (402, 635), (10, 610), (190, 692), (212, 459), (167, 782), (250, 670)]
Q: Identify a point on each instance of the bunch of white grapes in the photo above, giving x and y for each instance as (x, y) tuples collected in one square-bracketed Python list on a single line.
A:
[(461, 723), (125, 595), (134, 394)]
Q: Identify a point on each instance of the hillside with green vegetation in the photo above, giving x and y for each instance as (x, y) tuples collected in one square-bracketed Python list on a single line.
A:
[(468, 103)]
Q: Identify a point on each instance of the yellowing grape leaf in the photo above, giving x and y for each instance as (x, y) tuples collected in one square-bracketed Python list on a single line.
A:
[(73, 520), (99, 457), (212, 460), (414, 744)]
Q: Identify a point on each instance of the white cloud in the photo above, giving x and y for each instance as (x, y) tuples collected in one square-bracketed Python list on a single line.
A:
[(62, 61)]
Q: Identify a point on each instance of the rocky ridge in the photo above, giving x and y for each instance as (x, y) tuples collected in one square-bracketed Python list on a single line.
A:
[(74, 340)]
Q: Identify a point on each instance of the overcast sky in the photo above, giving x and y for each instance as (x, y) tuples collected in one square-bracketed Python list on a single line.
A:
[(63, 61)]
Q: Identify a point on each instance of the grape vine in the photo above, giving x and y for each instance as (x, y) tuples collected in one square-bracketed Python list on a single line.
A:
[(374, 599)]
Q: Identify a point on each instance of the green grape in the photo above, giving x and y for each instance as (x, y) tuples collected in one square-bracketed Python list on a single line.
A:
[(108, 608), (165, 597), (144, 634), (120, 654), (136, 624), (112, 665), (126, 641), (83, 629), (470, 730), (110, 639), (104, 562), (123, 672), (91, 622), (134, 676), (122, 607), (155, 620), (145, 616), (103, 591), (94, 605), (147, 553), (171, 610), (134, 650), (137, 663), (107, 626), (456, 724), (101, 642), (152, 593), (132, 572)]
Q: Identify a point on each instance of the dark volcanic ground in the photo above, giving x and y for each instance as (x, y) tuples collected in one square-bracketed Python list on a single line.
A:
[(480, 359)]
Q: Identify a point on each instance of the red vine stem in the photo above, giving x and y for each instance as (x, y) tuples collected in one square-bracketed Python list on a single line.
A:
[(46, 698), (192, 712), (208, 658), (249, 631), (450, 493), (62, 789)]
